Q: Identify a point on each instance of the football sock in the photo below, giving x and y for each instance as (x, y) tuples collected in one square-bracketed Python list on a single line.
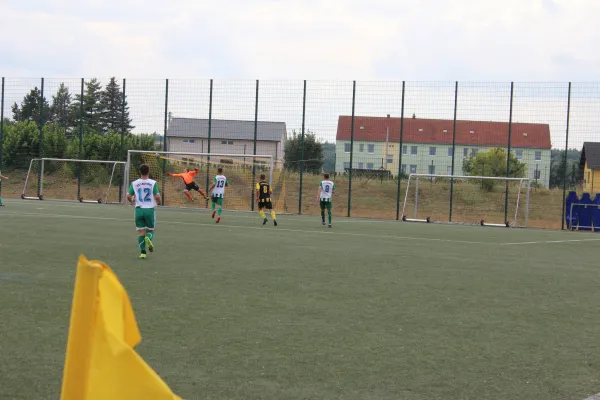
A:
[(220, 211), (189, 196), (323, 215), (0, 201), (150, 235), (262, 213), (329, 215), (213, 205), (141, 243), (273, 215)]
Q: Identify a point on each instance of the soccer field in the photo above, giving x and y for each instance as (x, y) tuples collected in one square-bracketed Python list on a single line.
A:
[(366, 310)]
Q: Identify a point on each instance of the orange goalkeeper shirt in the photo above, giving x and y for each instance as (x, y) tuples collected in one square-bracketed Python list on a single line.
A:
[(188, 177)]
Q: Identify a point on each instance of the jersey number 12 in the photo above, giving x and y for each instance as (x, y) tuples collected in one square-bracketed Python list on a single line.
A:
[(146, 196)]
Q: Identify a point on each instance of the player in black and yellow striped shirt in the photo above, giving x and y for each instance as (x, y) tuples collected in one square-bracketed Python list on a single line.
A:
[(263, 198)]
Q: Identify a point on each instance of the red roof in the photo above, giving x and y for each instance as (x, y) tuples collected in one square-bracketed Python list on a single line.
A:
[(439, 131)]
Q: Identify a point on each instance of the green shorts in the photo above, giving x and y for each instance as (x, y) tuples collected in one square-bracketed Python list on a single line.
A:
[(326, 205), (218, 200), (145, 218)]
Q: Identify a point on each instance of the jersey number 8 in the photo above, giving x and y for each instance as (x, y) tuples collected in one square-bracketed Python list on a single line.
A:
[(326, 188)]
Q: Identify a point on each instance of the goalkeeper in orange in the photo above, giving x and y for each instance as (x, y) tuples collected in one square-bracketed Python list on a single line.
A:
[(188, 179)]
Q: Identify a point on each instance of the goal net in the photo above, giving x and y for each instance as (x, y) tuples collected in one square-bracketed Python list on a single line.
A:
[(87, 181), (480, 200), (242, 172)]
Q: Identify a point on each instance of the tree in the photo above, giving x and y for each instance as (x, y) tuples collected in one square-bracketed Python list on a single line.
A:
[(60, 111), (313, 153), (30, 108), (558, 170), (92, 107), (112, 109), (493, 163), (329, 157)]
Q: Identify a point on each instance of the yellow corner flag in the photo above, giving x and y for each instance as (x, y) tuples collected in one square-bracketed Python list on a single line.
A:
[(100, 362)]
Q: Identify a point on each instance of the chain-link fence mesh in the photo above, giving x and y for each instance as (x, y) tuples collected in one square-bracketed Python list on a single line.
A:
[(370, 136)]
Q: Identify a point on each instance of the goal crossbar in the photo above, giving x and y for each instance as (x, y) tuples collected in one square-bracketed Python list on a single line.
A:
[(454, 178), (40, 189)]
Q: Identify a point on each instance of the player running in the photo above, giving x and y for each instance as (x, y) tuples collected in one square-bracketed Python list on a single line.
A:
[(326, 191), (263, 198), (144, 194), (219, 183), (2, 177), (188, 179)]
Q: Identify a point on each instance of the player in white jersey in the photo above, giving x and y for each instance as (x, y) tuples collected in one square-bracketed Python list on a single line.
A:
[(324, 195), (218, 191), (2, 177), (144, 194)]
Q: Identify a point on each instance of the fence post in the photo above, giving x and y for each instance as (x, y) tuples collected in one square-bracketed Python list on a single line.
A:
[(166, 119), (562, 218), (1, 134), (210, 105), (121, 155), (255, 134), (80, 156), (302, 149), (400, 152), (453, 149), (510, 115), (41, 127), (351, 148)]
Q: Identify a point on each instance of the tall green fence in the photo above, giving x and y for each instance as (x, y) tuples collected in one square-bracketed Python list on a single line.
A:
[(370, 136)]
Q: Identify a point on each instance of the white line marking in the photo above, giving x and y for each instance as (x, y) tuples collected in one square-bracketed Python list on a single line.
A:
[(275, 230), (551, 241)]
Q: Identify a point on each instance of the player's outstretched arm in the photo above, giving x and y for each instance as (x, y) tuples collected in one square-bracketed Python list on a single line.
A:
[(3, 177)]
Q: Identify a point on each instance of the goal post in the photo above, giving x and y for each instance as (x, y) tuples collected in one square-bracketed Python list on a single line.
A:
[(476, 200), (86, 181), (242, 171)]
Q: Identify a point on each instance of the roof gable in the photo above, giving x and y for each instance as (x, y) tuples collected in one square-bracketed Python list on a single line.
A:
[(226, 129), (591, 154), (470, 133)]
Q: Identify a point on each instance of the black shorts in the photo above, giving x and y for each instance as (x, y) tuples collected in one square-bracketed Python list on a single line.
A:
[(265, 204), (192, 186)]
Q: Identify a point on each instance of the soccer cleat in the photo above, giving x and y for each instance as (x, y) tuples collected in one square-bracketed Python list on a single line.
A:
[(143, 256), (218, 219), (330, 225), (265, 221), (149, 244), (275, 222), (323, 223), (213, 214)]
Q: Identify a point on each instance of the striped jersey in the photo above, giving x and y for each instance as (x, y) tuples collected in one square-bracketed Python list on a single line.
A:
[(327, 188), (144, 191), (220, 182)]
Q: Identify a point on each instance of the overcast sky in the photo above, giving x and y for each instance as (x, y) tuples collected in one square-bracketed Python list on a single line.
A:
[(346, 39), (434, 41)]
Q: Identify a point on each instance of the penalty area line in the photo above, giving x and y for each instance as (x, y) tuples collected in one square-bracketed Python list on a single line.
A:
[(550, 242), (224, 226)]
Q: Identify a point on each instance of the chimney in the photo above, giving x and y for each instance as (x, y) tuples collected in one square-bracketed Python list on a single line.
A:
[(414, 116)]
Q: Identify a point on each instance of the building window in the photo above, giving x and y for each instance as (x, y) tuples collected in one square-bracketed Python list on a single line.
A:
[(449, 172), (450, 152), (189, 141), (465, 152), (226, 141), (413, 150), (473, 152), (538, 174), (432, 151), (361, 147), (370, 148), (404, 168), (390, 158), (413, 169), (519, 154), (360, 165), (431, 169), (347, 147), (346, 165), (538, 156), (369, 165), (404, 149)]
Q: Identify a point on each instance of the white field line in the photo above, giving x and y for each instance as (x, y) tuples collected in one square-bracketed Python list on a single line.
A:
[(274, 230), (551, 241)]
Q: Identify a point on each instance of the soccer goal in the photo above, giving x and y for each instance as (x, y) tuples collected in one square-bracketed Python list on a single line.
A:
[(477, 200), (242, 172), (86, 181)]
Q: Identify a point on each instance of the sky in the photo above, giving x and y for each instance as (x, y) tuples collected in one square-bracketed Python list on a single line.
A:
[(379, 43)]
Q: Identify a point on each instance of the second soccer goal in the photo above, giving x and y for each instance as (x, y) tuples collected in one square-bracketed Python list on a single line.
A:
[(477, 200)]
